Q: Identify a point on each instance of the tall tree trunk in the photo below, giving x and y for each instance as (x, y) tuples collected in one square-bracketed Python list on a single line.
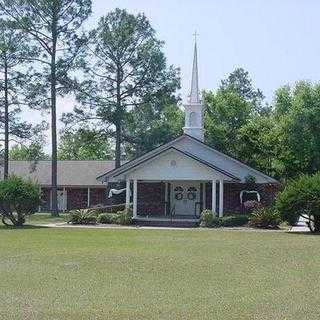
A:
[(118, 119), (54, 180), (6, 124), (118, 145)]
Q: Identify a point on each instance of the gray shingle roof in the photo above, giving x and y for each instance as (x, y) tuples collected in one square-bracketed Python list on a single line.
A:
[(70, 173)]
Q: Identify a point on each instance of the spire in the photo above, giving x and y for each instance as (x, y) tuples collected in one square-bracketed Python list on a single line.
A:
[(194, 93), (194, 108)]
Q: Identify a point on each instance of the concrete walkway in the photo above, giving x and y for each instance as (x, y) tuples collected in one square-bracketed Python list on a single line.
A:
[(110, 226)]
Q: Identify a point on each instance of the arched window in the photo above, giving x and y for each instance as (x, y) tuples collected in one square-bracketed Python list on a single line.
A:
[(193, 119)]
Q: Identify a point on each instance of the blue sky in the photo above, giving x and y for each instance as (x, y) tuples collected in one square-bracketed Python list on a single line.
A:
[(276, 41)]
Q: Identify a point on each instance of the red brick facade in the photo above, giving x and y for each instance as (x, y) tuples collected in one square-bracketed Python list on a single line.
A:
[(231, 191), (77, 198), (151, 197)]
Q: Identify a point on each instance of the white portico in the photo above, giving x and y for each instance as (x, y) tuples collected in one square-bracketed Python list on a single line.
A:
[(184, 178), (181, 178)]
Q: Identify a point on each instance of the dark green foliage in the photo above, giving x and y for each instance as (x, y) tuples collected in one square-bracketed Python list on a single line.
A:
[(266, 218), (237, 220), (53, 27), (126, 77), (301, 198), (14, 78), (32, 152), (92, 216), (18, 199), (207, 219), (85, 144), (239, 82), (82, 216), (124, 217), (107, 218)]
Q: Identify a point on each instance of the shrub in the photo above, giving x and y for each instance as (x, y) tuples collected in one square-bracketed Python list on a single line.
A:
[(18, 199), (237, 220), (206, 218), (82, 216), (301, 198), (266, 218), (124, 217), (107, 218)]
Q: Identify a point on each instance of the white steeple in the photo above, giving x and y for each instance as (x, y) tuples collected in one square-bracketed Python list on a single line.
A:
[(194, 108)]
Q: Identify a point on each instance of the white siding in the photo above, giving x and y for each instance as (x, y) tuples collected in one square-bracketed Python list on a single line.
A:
[(173, 165)]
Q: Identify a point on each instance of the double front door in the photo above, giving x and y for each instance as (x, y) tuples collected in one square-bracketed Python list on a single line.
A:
[(186, 198)]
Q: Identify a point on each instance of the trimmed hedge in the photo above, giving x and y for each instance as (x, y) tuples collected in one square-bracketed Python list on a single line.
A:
[(208, 220), (89, 216)]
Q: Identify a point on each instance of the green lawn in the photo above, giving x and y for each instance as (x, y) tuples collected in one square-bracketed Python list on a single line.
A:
[(158, 274)]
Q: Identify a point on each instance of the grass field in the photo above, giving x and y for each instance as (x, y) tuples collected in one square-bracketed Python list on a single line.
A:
[(48, 273)]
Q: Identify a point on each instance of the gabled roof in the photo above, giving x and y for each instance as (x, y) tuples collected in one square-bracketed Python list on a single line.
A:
[(154, 155), (74, 173), (208, 159)]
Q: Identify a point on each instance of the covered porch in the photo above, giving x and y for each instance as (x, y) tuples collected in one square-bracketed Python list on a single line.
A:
[(174, 200)]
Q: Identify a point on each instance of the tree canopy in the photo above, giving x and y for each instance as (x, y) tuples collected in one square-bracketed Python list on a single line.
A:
[(125, 76), (85, 144)]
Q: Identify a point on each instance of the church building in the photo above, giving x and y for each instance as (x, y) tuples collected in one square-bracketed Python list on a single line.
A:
[(179, 179)]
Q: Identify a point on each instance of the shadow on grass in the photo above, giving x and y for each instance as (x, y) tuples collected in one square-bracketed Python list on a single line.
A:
[(25, 227)]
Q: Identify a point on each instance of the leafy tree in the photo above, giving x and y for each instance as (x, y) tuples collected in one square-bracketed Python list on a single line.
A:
[(225, 113), (18, 198), (124, 69), (84, 144), (53, 25), (147, 128), (258, 143), (240, 83), (230, 108), (297, 115), (301, 198), (32, 152), (13, 50)]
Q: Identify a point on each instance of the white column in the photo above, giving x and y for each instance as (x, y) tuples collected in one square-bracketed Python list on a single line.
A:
[(135, 196), (39, 208), (220, 198), (127, 194), (88, 198), (213, 197), (204, 195), (166, 198)]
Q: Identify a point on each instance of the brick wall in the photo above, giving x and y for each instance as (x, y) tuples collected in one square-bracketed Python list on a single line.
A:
[(231, 199), (151, 198), (98, 196), (77, 198)]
